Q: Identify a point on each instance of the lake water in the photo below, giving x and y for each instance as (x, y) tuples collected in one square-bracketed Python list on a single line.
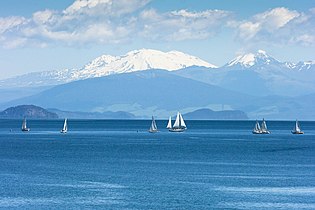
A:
[(111, 164)]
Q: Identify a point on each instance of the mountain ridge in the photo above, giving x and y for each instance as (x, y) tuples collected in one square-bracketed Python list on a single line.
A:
[(208, 114), (104, 65), (139, 93), (160, 92), (146, 59)]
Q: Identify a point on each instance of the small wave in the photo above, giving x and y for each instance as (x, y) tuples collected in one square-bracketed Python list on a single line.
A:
[(285, 149), (86, 184), (21, 202), (266, 205), (276, 190), (223, 163)]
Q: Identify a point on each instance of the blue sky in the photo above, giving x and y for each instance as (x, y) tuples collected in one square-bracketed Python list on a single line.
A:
[(48, 34)]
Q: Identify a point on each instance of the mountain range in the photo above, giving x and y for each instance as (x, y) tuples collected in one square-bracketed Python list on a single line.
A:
[(105, 65), (150, 82), (258, 74), (152, 92)]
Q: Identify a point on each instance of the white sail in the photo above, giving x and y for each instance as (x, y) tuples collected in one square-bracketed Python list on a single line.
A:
[(182, 122), (153, 127), (153, 124), (177, 121), (297, 127), (24, 124), (65, 127), (257, 126), (169, 125), (264, 125), (263, 128), (179, 125)]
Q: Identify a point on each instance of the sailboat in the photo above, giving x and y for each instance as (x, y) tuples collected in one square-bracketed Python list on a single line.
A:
[(263, 127), (179, 125), (257, 129), (24, 127), (169, 124), (153, 128), (297, 129), (65, 127)]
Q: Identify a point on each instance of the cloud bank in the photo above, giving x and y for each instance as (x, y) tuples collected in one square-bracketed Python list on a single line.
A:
[(279, 25), (94, 22)]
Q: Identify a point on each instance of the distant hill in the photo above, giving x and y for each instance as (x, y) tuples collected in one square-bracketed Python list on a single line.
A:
[(9, 94), (105, 65), (257, 74), (142, 93), (255, 83), (28, 111), (93, 115), (208, 114)]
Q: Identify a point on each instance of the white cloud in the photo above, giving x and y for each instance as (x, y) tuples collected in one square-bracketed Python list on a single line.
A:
[(119, 21), (305, 39), (104, 7), (85, 21), (182, 24), (10, 23), (248, 30), (278, 26), (42, 17), (275, 18)]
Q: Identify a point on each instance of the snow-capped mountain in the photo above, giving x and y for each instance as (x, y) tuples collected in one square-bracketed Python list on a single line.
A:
[(262, 59), (249, 73), (249, 60), (275, 72), (142, 60), (105, 65), (258, 74)]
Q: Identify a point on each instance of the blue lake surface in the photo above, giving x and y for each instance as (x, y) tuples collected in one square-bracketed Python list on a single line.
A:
[(113, 164)]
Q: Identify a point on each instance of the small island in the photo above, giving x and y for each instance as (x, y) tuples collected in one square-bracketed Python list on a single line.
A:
[(208, 114), (28, 111)]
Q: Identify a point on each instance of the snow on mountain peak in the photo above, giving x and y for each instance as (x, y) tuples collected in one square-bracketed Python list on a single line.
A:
[(246, 60), (137, 60), (251, 59), (100, 61), (144, 59), (262, 52)]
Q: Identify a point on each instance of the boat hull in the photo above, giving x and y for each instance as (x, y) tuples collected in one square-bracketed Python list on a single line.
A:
[(25, 129), (256, 132), (261, 132), (177, 130), (153, 131), (265, 132), (297, 132), (63, 131)]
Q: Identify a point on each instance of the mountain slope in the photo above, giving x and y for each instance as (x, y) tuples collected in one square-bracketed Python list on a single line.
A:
[(92, 115), (162, 93), (141, 93), (253, 73), (208, 114), (105, 65), (253, 59), (258, 74)]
